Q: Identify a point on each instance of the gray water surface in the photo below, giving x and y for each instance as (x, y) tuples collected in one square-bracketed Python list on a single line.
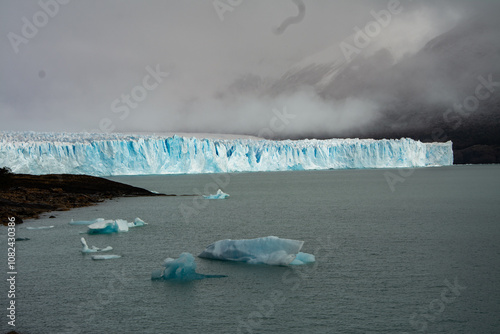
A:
[(384, 258)]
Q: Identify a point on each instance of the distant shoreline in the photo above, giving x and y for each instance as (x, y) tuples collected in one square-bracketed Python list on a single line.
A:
[(27, 196)]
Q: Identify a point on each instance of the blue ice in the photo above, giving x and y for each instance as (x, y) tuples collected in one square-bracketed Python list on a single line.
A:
[(114, 226), (120, 154), (180, 269)]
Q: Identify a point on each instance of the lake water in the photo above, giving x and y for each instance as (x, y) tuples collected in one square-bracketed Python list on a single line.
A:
[(422, 256)]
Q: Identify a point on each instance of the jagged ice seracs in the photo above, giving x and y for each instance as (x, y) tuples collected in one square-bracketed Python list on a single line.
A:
[(120, 154)]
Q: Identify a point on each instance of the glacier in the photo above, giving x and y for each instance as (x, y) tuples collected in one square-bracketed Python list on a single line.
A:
[(267, 250), (121, 154), (181, 269)]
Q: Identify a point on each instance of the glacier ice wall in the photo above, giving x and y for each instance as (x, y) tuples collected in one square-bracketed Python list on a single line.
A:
[(119, 154)]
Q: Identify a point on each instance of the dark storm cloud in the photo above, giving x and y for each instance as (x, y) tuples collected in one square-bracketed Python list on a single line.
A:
[(104, 64)]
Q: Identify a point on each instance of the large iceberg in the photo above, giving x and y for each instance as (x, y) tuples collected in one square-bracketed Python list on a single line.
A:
[(181, 269), (268, 250), (119, 154)]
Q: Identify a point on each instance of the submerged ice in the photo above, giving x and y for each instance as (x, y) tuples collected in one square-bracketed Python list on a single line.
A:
[(268, 250), (119, 154), (86, 222), (180, 269), (105, 257)]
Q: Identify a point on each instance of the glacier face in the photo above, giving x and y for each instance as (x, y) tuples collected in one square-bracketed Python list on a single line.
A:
[(119, 154)]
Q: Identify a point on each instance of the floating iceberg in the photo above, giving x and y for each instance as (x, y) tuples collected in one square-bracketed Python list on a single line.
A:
[(105, 257), (39, 227), (120, 154), (303, 258), (94, 249), (113, 226), (108, 226), (181, 269), (269, 250), (219, 195), (86, 222), (137, 222)]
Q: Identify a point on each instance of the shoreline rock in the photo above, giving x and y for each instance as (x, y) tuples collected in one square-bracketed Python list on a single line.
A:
[(27, 196)]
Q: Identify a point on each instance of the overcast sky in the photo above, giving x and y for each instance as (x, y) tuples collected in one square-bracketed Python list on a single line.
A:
[(71, 73)]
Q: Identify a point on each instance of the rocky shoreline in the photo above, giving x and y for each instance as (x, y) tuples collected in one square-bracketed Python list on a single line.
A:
[(27, 196)]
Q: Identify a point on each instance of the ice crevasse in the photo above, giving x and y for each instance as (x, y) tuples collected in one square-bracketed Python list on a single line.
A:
[(119, 154)]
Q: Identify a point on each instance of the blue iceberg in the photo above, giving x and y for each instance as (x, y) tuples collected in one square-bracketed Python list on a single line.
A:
[(303, 258), (137, 222), (268, 250), (218, 195), (181, 269), (93, 249), (121, 154), (113, 226)]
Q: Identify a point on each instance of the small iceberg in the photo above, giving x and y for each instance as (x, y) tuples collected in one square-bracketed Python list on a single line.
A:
[(137, 222), (219, 195), (86, 222), (105, 257), (181, 269), (39, 227), (268, 250), (94, 249), (303, 258), (113, 226)]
